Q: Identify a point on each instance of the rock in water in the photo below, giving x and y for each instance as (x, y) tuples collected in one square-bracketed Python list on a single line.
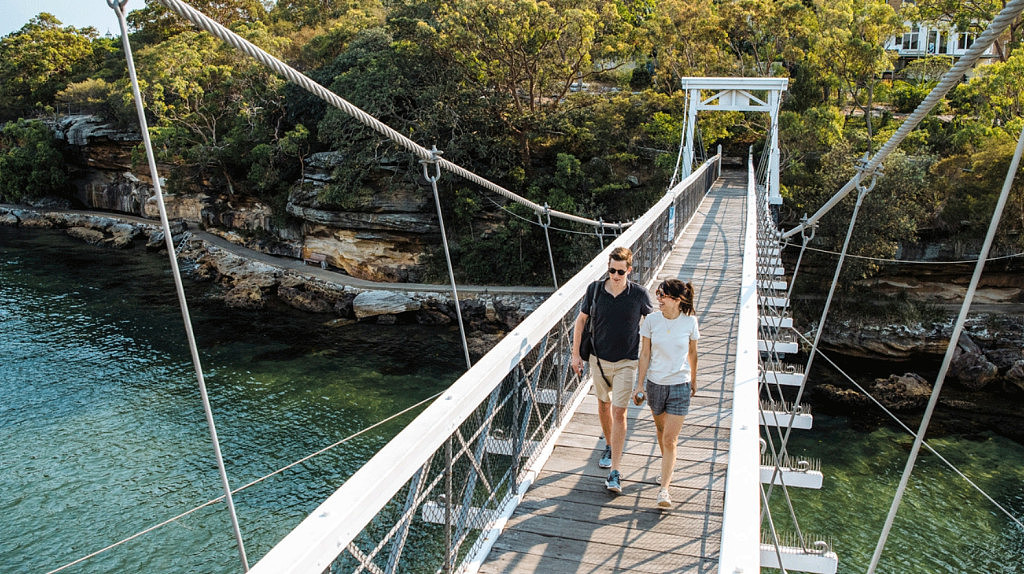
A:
[(970, 366), (905, 392), (373, 303)]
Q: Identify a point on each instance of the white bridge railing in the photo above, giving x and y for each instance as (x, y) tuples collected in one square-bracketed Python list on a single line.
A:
[(435, 497)]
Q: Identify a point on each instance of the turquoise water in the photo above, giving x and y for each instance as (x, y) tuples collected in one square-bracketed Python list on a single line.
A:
[(101, 424), (943, 525)]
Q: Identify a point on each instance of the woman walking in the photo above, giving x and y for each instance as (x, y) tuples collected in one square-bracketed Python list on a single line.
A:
[(667, 369)]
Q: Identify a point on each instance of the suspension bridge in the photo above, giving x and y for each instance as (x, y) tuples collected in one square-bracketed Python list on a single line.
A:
[(499, 473)]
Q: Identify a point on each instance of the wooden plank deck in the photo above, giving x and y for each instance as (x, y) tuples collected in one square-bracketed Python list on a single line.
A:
[(568, 521)]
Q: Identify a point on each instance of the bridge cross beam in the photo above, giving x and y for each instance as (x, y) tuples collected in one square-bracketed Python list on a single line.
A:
[(736, 95)]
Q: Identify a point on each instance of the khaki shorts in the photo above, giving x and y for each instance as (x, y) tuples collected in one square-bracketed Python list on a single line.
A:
[(621, 374)]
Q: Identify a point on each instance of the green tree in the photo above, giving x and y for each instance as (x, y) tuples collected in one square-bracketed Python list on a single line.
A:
[(849, 45), (1000, 90), (212, 105), (805, 138), (38, 61), (524, 55), (320, 31), (902, 199), (970, 183), (687, 39), (31, 165), (154, 24), (90, 96), (276, 165), (763, 32), (417, 90)]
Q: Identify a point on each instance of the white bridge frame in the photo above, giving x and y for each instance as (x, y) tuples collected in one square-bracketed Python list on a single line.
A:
[(736, 95)]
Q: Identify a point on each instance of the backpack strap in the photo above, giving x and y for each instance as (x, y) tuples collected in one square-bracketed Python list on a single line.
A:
[(596, 285)]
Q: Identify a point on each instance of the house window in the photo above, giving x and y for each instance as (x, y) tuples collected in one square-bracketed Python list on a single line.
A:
[(937, 42), (964, 40), (910, 39)]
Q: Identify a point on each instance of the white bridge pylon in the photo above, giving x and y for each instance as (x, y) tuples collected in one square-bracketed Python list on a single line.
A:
[(736, 95)]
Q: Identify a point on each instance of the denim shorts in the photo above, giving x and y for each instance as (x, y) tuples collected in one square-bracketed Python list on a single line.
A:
[(671, 399)]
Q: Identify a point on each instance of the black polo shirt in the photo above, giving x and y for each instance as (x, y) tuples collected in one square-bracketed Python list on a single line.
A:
[(616, 320)]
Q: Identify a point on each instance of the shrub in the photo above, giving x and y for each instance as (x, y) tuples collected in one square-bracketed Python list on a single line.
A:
[(906, 97), (31, 165)]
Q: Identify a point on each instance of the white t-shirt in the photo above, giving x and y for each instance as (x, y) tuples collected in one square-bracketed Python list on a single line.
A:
[(670, 346)]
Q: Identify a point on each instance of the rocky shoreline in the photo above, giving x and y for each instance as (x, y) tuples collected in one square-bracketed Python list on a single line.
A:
[(983, 388), (259, 281)]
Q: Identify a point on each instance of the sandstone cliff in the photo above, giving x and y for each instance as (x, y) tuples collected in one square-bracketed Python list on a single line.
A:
[(379, 237)]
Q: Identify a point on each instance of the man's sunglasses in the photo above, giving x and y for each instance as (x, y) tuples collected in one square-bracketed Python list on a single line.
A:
[(613, 271)]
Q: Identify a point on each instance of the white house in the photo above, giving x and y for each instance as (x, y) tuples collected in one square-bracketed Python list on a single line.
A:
[(922, 40)]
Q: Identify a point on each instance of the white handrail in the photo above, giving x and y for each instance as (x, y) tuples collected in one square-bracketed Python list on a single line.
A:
[(741, 540)]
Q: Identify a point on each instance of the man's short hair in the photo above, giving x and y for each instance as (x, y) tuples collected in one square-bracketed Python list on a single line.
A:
[(622, 254)]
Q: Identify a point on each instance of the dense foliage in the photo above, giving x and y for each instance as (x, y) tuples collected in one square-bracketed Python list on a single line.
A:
[(572, 103), (31, 165)]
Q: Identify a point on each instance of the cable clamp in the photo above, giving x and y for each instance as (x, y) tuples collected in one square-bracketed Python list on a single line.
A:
[(435, 156), (861, 166), (547, 215), (806, 235)]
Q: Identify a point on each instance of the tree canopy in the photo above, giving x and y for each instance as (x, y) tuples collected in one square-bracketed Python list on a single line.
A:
[(38, 61), (573, 103)]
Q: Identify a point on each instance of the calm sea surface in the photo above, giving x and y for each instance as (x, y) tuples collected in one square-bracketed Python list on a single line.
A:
[(102, 432)]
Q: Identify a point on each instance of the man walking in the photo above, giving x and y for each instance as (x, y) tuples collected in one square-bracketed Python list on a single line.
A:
[(616, 306)]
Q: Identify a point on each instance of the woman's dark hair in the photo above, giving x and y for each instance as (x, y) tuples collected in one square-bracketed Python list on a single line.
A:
[(683, 292)]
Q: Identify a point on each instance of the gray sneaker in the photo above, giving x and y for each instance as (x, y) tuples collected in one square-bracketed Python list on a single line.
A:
[(606, 458), (612, 483)]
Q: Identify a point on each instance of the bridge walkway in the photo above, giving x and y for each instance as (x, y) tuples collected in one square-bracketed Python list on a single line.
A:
[(568, 521)]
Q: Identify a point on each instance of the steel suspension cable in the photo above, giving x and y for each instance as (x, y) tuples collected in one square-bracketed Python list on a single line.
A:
[(951, 78), (206, 23), (545, 223), (682, 143), (597, 229), (805, 239), (770, 332), (954, 340), (912, 262), (432, 179), (777, 544), (702, 153), (766, 239), (118, 7), (777, 471)]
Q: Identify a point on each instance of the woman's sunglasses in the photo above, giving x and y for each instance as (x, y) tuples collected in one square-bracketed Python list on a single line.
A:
[(661, 294), (613, 271)]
